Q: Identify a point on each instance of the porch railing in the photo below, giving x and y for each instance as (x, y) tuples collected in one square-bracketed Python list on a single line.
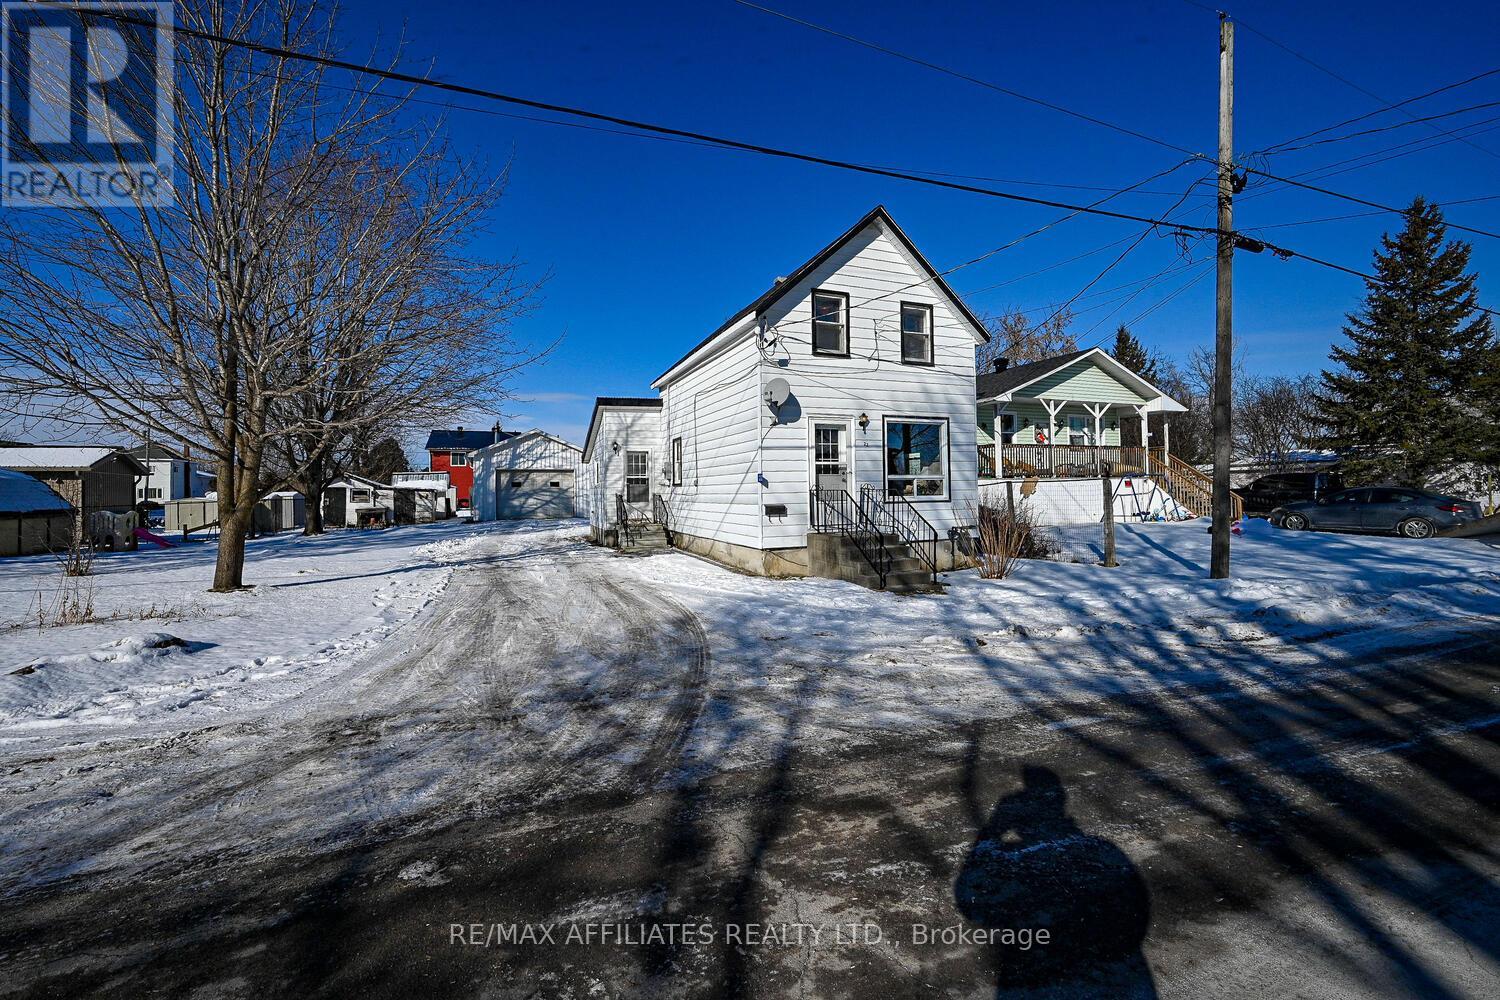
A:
[(622, 518), (893, 514), (837, 511), (661, 513), (1187, 485)]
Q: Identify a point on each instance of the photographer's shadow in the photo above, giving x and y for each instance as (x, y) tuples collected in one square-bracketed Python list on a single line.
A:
[(1032, 867)]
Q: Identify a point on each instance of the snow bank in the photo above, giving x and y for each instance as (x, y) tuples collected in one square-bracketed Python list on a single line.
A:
[(314, 600)]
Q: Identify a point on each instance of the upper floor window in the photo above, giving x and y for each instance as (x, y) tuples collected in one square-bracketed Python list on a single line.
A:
[(458, 458), (916, 333), (830, 333)]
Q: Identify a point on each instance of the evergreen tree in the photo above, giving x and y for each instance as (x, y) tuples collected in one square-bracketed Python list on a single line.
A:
[(1404, 402), (382, 461), (1131, 353)]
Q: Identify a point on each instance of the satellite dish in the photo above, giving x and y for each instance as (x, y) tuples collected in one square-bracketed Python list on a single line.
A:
[(777, 392)]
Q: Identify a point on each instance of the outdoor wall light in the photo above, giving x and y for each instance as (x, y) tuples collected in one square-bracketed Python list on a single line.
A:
[(1025, 421), (864, 421), (1112, 426), (615, 446)]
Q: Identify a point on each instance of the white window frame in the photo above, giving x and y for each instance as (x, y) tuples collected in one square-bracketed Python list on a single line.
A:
[(926, 333), (885, 459), (843, 322), (1006, 435), (677, 461), (458, 459), (644, 479), (1084, 430)]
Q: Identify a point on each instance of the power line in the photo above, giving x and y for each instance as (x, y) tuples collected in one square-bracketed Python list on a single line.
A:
[(469, 91), (1359, 201), (1324, 69), (1366, 215), (1283, 148), (956, 74), (410, 79), (1380, 111)]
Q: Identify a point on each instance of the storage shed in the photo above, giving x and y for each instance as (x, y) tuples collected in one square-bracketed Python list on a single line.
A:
[(531, 475), (33, 518)]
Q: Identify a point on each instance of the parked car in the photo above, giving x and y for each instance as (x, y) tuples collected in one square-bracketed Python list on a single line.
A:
[(1409, 512), (1270, 492)]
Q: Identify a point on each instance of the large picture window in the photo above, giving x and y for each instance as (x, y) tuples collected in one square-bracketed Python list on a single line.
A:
[(637, 476), (830, 333), (916, 334), (916, 458)]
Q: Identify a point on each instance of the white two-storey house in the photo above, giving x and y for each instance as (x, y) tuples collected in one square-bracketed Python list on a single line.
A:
[(839, 403)]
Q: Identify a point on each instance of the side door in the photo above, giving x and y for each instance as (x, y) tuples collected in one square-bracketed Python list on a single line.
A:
[(1343, 510), (830, 456)]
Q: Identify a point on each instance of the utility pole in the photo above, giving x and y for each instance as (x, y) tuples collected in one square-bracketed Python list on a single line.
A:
[(1224, 307)]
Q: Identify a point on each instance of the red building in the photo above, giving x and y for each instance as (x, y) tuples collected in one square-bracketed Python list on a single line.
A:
[(448, 451)]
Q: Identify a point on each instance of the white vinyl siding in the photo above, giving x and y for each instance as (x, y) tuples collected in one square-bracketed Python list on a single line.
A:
[(529, 452), (873, 381), (712, 407), (635, 429)]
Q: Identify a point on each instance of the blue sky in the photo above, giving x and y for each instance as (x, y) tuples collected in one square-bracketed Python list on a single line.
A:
[(652, 244)]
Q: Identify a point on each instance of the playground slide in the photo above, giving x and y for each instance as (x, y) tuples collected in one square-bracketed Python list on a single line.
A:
[(147, 536)]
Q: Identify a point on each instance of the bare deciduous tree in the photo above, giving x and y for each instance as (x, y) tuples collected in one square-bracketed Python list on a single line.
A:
[(197, 321), (1275, 417), (1014, 337)]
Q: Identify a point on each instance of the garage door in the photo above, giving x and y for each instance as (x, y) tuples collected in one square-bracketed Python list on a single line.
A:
[(533, 494)]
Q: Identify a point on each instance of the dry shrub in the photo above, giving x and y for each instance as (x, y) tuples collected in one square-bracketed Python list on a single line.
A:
[(1008, 533)]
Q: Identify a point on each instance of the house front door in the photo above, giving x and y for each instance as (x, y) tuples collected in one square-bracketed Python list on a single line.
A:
[(831, 455)]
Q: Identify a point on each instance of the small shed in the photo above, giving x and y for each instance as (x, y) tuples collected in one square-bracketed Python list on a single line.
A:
[(531, 475), (357, 502), (419, 501), (33, 517)]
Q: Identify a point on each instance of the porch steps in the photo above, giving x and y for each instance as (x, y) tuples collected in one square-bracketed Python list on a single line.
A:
[(647, 538), (908, 574)]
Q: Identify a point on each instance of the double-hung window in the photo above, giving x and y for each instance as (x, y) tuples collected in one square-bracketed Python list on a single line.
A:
[(916, 458), (1007, 428), (830, 323), (677, 461), (637, 476), (916, 334), (458, 458), (1078, 430)]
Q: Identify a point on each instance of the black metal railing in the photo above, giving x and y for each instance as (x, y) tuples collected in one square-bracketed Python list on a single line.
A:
[(893, 514), (836, 510), (661, 513), (622, 517)]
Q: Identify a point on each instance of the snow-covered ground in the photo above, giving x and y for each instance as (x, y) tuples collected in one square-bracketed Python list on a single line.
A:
[(847, 660), (164, 643), (394, 682)]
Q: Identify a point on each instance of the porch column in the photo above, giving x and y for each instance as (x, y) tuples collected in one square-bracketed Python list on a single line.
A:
[(1053, 408), (1145, 429), (1166, 435)]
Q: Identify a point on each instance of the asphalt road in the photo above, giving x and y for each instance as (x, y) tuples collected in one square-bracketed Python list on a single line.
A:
[(1334, 839)]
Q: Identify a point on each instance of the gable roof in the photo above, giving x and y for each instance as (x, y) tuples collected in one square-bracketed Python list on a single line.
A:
[(62, 458), (22, 494), (516, 439), (614, 403), (158, 453), (462, 440), (997, 383), (1012, 380), (764, 301)]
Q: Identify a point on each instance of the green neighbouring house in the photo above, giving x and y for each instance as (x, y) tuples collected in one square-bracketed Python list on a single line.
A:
[(1062, 417)]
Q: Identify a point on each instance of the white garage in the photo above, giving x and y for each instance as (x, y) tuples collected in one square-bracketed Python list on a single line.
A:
[(531, 475)]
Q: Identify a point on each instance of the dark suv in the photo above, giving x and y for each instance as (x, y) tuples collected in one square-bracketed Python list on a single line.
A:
[(1269, 492)]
